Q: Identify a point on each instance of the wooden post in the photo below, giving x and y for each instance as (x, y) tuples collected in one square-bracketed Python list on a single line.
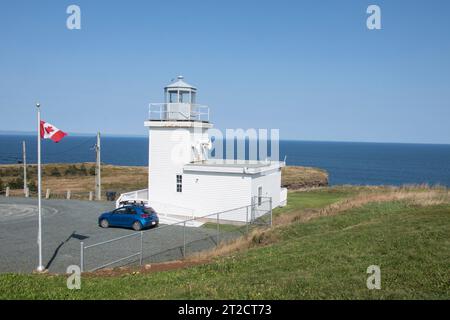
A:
[(91, 196), (7, 192), (27, 192), (47, 194), (68, 194)]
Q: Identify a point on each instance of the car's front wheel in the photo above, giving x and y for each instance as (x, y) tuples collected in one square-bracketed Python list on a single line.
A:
[(104, 223), (137, 226)]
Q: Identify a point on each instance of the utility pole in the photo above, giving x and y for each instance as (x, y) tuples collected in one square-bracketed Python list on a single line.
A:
[(24, 151), (98, 179)]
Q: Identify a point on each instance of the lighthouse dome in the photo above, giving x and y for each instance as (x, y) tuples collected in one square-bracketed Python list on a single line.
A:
[(179, 83)]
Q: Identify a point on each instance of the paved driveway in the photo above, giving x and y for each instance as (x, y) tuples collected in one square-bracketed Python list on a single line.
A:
[(67, 222)]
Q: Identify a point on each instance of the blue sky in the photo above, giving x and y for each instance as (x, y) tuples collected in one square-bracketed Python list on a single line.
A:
[(309, 68)]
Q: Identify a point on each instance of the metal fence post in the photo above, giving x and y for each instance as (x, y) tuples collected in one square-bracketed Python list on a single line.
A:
[(184, 239), (271, 216), (142, 246), (252, 213), (82, 256), (246, 219), (218, 230)]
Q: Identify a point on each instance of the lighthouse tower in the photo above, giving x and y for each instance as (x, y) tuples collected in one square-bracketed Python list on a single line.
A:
[(183, 182), (177, 136)]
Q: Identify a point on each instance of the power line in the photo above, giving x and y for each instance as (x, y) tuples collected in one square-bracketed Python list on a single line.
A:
[(91, 139)]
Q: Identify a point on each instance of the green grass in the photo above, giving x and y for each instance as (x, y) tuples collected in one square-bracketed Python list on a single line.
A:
[(325, 258), (224, 227), (315, 199)]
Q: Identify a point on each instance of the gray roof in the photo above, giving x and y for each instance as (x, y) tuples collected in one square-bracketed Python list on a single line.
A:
[(234, 166), (180, 83)]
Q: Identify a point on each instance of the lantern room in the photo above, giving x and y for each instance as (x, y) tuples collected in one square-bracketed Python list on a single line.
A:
[(180, 92), (180, 104)]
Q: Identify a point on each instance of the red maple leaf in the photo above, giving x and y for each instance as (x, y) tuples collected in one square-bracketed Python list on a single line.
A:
[(49, 129)]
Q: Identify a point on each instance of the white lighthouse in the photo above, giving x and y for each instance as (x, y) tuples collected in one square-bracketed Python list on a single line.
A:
[(183, 181)]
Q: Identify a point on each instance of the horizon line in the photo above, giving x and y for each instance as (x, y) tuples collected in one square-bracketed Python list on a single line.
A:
[(122, 135)]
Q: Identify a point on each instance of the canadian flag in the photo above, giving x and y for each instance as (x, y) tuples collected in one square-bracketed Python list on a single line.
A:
[(49, 131)]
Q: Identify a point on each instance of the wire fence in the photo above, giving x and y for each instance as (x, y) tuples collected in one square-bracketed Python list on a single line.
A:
[(179, 240)]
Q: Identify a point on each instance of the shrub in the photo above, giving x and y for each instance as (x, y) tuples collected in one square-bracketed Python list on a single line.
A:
[(32, 170), (82, 171), (71, 170), (16, 183), (92, 171), (10, 172), (32, 186), (55, 172)]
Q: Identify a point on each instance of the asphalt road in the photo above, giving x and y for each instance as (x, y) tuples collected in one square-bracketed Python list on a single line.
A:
[(68, 222)]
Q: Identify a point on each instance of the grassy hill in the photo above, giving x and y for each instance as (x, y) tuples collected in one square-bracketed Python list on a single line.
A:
[(295, 177), (319, 248), (77, 177)]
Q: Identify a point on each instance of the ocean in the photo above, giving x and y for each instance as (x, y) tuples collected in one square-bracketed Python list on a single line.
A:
[(346, 162)]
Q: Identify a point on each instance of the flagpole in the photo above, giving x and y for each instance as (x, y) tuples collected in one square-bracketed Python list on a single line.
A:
[(40, 266)]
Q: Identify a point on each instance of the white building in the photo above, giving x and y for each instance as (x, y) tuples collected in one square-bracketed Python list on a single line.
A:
[(183, 181)]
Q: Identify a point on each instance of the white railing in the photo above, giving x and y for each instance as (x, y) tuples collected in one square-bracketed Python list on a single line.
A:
[(138, 196), (164, 209), (178, 111)]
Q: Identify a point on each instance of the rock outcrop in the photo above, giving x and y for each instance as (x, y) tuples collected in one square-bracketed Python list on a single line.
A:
[(294, 177)]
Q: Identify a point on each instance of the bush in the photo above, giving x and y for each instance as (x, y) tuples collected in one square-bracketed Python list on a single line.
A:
[(83, 171), (1, 185), (16, 183), (10, 172), (92, 171), (32, 170), (55, 172), (71, 170), (32, 186)]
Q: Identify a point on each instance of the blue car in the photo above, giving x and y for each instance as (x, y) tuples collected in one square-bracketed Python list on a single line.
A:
[(137, 217)]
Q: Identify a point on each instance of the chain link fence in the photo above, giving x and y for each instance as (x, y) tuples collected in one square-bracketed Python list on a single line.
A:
[(179, 240)]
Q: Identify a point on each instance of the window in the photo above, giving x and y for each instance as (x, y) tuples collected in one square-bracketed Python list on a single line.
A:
[(131, 211), (179, 183), (184, 97), (120, 211), (259, 196), (149, 211), (173, 96)]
